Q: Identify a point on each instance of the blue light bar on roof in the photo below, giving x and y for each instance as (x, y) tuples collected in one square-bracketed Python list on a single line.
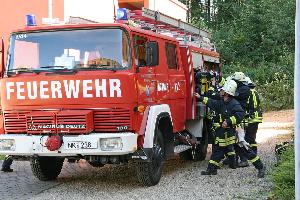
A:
[(122, 14), (30, 20)]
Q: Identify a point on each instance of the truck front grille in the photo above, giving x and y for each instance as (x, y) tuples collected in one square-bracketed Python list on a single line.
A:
[(68, 121), (112, 120), (15, 121), (41, 122)]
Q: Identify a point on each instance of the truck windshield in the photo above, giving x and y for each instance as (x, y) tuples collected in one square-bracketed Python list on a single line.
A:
[(92, 49)]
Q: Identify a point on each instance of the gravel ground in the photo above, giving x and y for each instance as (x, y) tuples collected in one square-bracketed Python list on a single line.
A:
[(180, 180)]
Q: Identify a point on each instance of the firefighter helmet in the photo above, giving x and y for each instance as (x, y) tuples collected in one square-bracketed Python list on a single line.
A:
[(230, 87), (228, 78), (239, 76), (248, 80)]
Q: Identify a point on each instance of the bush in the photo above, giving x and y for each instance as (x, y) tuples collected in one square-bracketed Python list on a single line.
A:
[(277, 94), (283, 176), (274, 82)]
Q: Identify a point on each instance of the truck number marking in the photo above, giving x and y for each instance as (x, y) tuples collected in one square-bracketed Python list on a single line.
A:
[(81, 145), (21, 36), (122, 128)]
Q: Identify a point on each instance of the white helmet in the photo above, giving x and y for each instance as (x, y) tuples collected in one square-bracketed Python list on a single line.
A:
[(239, 76), (248, 80), (228, 78), (230, 87)]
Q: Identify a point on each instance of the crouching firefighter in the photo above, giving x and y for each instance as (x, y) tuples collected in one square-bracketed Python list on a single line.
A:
[(230, 113)]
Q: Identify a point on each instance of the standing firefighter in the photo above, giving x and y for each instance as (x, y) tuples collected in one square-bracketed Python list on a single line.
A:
[(243, 149), (230, 113), (254, 113), (243, 93)]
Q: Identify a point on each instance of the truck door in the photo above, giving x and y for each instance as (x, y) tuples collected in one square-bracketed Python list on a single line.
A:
[(146, 79), (177, 82)]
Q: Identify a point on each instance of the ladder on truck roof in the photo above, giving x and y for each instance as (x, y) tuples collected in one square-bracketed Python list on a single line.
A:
[(186, 33)]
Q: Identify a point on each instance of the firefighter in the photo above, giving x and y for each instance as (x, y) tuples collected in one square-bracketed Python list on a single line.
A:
[(254, 113), (6, 164), (243, 93), (243, 148), (229, 113)]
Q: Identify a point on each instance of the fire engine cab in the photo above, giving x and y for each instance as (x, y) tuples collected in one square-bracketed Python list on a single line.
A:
[(106, 93)]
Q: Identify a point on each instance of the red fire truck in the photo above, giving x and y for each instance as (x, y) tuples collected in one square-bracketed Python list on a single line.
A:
[(106, 93)]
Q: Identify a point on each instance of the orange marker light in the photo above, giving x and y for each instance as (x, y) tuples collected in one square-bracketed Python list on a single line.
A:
[(141, 109)]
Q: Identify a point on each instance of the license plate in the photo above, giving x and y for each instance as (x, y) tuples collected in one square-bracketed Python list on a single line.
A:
[(81, 145)]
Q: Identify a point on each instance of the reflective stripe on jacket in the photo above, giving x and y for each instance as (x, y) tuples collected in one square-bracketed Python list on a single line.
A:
[(253, 107)]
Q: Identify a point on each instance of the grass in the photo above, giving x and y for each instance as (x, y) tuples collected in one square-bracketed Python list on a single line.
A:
[(2, 157), (283, 176)]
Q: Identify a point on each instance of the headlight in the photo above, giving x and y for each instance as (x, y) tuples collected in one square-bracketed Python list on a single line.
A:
[(111, 144), (7, 145)]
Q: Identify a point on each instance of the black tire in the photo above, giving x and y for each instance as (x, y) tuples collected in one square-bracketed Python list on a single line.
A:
[(200, 152), (149, 173), (186, 155), (46, 168), (96, 164)]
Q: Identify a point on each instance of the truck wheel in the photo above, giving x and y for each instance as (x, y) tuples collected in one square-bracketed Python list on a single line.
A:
[(46, 168), (201, 149), (149, 173), (96, 164), (186, 155)]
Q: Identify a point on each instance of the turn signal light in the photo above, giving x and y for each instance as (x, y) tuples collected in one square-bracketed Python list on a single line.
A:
[(141, 109)]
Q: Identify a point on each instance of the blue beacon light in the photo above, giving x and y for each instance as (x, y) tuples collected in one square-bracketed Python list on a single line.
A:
[(30, 20), (122, 14)]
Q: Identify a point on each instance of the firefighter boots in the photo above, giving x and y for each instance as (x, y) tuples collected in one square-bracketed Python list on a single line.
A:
[(211, 170), (261, 172)]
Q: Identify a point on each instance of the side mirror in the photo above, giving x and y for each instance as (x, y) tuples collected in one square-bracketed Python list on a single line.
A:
[(152, 54), (2, 58)]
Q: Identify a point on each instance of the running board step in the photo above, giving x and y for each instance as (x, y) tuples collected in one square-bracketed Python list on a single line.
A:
[(180, 148)]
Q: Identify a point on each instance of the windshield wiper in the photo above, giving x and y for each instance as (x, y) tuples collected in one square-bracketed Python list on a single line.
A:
[(55, 67), (22, 70), (59, 69)]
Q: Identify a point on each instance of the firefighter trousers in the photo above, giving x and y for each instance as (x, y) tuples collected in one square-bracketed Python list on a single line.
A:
[(250, 135), (224, 146), (250, 155)]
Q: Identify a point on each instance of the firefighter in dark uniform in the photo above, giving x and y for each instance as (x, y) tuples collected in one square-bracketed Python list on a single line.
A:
[(6, 164), (243, 93), (243, 148), (254, 113), (230, 113)]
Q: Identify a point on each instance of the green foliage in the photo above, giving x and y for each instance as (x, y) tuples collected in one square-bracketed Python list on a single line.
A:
[(273, 82), (255, 37), (283, 176), (255, 31), (2, 157)]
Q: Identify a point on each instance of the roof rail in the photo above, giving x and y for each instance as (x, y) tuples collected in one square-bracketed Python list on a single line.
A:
[(186, 33), (175, 23)]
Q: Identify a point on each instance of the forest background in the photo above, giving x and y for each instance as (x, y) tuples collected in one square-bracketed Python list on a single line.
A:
[(256, 37)]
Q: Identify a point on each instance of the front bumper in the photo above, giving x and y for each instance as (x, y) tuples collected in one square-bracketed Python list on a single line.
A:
[(26, 145)]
